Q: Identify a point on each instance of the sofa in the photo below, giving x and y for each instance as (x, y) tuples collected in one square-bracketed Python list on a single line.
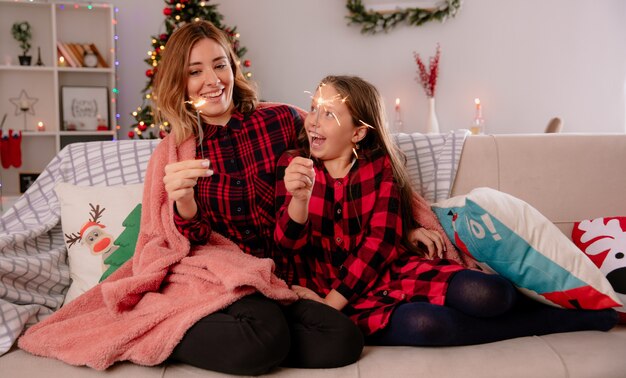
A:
[(567, 177)]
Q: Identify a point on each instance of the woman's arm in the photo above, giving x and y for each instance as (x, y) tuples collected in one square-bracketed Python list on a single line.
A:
[(180, 180)]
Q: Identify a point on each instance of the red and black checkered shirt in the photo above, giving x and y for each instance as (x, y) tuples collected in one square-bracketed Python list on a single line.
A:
[(351, 243), (238, 199)]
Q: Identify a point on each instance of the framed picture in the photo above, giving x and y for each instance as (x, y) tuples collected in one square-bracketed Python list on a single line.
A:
[(26, 180), (85, 108)]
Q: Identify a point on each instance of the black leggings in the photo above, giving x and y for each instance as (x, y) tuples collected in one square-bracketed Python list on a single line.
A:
[(255, 334), (482, 308)]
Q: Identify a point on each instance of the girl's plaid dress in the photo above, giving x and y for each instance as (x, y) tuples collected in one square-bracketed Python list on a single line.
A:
[(351, 243)]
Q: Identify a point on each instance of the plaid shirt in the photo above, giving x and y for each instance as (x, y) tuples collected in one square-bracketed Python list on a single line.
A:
[(351, 243), (238, 199)]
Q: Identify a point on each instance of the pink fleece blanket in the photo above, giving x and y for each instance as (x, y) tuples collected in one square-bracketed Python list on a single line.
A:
[(141, 312)]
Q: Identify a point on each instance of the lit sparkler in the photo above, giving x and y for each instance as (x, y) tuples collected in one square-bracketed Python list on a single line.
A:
[(197, 104)]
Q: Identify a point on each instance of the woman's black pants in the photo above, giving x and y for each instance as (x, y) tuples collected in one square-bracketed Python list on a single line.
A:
[(256, 334)]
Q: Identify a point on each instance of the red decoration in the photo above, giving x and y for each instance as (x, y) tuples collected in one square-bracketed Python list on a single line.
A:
[(149, 73), (11, 148), (428, 78), (603, 240), (163, 37), (167, 11), (142, 128), (162, 134), (131, 135), (247, 63)]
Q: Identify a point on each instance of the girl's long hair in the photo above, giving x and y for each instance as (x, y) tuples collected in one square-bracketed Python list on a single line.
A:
[(170, 83), (365, 105)]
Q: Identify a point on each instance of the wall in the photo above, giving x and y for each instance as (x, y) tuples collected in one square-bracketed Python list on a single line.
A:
[(527, 60)]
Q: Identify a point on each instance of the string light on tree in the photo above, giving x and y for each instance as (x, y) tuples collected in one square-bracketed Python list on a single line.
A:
[(178, 13)]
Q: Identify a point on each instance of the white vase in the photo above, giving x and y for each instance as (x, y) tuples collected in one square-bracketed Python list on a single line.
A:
[(432, 125)]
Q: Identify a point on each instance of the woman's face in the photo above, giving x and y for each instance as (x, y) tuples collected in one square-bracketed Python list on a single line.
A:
[(329, 125), (211, 79)]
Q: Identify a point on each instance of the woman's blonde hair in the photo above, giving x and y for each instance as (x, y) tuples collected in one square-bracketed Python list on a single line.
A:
[(366, 108), (170, 83)]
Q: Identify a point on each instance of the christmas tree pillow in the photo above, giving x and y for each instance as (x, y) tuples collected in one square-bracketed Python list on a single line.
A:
[(603, 240), (508, 236), (100, 227)]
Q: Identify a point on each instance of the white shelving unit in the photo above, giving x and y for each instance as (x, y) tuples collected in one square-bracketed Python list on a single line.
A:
[(50, 22)]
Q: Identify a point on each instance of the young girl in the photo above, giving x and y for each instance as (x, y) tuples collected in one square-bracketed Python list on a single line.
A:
[(344, 206)]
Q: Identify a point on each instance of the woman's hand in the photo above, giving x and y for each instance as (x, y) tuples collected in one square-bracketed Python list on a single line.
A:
[(180, 179), (430, 239), (299, 178)]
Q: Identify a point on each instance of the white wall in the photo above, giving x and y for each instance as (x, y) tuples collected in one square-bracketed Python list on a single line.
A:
[(527, 60)]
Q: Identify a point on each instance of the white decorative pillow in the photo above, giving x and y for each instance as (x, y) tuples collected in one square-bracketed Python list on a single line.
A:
[(510, 237), (603, 240), (92, 218)]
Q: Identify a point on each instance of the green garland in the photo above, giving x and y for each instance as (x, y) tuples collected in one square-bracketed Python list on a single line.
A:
[(373, 22)]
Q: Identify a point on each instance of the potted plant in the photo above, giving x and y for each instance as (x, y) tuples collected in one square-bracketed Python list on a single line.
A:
[(22, 34)]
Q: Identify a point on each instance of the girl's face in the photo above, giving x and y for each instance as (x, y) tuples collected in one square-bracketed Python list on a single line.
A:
[(211, 79), (329, 126)]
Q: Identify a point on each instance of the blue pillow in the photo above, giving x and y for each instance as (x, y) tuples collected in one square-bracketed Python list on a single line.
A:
[(506, 235)]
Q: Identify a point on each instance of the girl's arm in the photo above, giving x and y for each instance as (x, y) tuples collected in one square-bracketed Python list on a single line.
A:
[(291, 232), (333, 298)]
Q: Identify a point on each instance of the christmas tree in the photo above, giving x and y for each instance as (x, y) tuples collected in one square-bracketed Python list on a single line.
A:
[(126, 242), (177, 13)]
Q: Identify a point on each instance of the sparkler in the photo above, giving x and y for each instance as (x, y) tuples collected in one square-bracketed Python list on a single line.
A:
[(197, 104)]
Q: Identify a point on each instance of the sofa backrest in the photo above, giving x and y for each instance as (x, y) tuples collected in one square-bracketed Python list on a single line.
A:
[(567, 177)]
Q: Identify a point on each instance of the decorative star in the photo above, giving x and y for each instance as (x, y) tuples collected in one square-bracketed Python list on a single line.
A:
[(24, 104)]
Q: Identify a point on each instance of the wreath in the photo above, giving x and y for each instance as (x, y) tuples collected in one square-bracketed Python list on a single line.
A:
[(373, 22)]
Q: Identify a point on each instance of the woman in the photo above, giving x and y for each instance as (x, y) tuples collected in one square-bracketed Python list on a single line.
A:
[(229, 189)]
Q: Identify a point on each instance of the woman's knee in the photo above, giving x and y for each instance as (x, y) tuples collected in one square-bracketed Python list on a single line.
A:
[(249, 337), (322, 337), (265, 335)]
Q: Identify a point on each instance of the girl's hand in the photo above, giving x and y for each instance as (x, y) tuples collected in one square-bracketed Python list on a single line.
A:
[(306, 293), (299, 178), (430, 239), (333, 299), (180, 179)]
